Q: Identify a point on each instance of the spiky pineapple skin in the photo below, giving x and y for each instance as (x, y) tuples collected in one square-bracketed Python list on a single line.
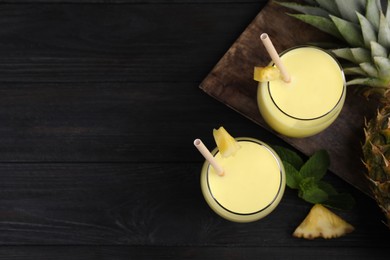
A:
[(376, 154)]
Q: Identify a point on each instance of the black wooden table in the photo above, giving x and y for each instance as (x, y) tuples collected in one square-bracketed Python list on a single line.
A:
[(99, 106)]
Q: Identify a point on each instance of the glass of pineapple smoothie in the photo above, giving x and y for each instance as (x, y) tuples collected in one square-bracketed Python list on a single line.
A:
[(252, 186), (311, 101)]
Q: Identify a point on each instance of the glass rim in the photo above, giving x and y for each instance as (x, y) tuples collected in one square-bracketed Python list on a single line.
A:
[(274, 155), (341, 95)]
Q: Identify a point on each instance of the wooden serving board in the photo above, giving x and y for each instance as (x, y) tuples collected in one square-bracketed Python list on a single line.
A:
[(231, 82)]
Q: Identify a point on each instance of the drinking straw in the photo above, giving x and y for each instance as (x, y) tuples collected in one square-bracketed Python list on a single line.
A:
[(275, 56), (208, 156)]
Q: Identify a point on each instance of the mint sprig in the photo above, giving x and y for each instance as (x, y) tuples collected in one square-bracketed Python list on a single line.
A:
[(306, 177)]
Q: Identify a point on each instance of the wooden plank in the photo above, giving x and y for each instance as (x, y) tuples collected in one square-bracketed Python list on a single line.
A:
[(121, 122), (150, 204), (231, 83), (185, 252), (111, 43)]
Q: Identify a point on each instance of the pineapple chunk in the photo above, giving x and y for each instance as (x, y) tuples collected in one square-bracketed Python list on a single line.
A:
[(321, 222), (227, 145), (265, 74)]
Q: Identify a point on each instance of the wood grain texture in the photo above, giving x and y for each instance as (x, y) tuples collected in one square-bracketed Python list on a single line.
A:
[(150, 204), (107, 122), (116, 43), (183, 252), (77, 90), (231, 82)]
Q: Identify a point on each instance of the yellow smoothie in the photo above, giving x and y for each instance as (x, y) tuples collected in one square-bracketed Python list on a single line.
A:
[(252, 186), (313, 98)]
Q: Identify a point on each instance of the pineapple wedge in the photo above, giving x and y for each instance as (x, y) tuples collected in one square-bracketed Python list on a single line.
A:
[(321, 222), (227, 145), (265, 74)]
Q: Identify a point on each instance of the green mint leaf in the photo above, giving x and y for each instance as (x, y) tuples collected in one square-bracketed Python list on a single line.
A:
[(342, 201), (292, 175), (306, 177), (310, 192), (289, 156), (313, 195), (316, 166), (328, 188), (307, 183)]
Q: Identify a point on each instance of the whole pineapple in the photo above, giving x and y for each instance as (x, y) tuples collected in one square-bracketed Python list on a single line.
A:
[(364, 27)]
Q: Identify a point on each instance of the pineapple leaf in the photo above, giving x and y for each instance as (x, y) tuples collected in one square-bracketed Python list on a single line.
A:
[(368, 30), (377, 84), (311, 2), (384, 32), (344, 53), (354, 71), (330, 6), (378, 50), (358, 81), (383, 65), (373, 11), (362, 3), (370, 69), (350, 31), (361, 55), (305, 9), (388, 12), (321, 23), (348, 9), (355, 55)]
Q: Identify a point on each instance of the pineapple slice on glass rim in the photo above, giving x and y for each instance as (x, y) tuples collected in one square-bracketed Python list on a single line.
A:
[(226, 144), (265, 74)]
